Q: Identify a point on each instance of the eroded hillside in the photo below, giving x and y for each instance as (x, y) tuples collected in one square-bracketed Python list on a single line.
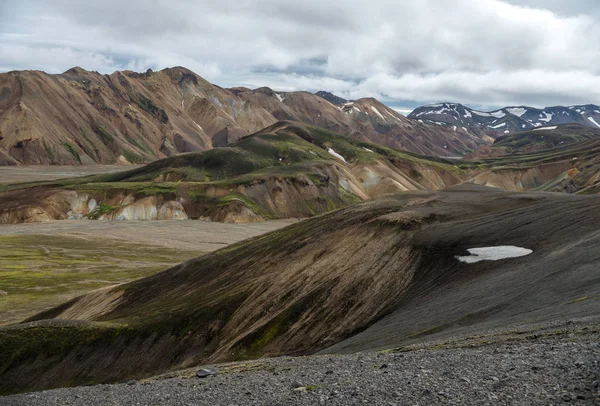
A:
[(374, 275), (286, 170)]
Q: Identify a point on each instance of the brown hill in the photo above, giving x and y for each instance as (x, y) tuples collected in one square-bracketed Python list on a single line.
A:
[(286, 170), (369, 120), (82, 117)]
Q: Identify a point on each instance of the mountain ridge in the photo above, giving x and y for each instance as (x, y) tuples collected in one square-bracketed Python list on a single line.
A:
[(509, 119), (82, 117)]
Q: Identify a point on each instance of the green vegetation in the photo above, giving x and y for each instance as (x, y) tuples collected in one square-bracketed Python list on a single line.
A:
[(101, 210), (148, 106), (39, 271), (72, 151), (133, 157)]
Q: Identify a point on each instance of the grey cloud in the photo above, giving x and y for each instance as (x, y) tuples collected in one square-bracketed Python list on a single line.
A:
[(484, 52)]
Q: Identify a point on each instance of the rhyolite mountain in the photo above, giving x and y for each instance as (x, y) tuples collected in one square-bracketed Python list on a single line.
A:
[(82, 117), (367, 119), (508, 119)]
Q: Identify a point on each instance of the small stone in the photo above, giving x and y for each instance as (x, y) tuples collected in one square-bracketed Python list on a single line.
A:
[(596, 383), (205, 372), (132, 382), (464, 379), (566, 398), (495, 379), (384, 366), (329, 372)]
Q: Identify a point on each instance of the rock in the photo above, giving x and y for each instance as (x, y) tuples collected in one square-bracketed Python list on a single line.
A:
[(205, 372), (329, 372), (384, 366), (132, 382)]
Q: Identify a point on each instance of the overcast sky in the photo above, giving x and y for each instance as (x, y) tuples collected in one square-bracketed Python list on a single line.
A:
[(483, 53)]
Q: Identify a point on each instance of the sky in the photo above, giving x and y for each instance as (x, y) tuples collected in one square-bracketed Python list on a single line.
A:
[(482, 53)]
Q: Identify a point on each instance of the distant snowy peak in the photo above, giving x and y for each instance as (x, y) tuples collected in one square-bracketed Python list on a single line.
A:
[(509, 119)]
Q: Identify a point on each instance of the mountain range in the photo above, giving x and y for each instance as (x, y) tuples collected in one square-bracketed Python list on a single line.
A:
[(82, 117), (508, 119)]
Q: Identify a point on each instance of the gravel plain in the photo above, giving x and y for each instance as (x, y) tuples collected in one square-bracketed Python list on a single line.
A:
[(555, 365)]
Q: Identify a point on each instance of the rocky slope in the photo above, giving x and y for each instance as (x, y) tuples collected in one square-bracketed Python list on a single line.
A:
[(368, 120), (381, 274), (331, 98), (509, 119), (558, 366), (569, 167), (538, 139), (82, 117), (286, 170)]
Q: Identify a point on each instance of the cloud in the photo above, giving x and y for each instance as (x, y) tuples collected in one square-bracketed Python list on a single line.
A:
[(487, 52)]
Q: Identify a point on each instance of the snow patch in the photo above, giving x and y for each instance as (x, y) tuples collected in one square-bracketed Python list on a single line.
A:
[(335, 154), (367, 149), (498, 126), (517, 111), (593, 121), (279, 97), (377, 112), (547, 118), (493, 253), (554, 127), (198, 125), (497, 114)]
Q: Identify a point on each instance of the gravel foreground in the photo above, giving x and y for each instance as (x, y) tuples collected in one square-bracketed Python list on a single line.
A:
[(555, 367)]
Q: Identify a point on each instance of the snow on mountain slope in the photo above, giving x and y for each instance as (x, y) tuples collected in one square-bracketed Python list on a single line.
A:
[(511, 119)]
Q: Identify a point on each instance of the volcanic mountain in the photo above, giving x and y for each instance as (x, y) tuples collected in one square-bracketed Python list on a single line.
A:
[(82, 117), (509, 119), (369, 120), (376, 275)]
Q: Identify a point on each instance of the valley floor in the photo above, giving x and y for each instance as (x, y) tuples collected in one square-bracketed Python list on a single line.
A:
[(45, 264), (30, 173), (551, 364)]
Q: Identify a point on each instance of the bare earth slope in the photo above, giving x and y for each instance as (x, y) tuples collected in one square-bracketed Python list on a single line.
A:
[(369, 120), (82, 117), (286, 170), (374, 275)]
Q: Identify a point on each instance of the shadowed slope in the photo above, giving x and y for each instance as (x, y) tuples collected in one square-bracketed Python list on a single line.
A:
[(390, 261)]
